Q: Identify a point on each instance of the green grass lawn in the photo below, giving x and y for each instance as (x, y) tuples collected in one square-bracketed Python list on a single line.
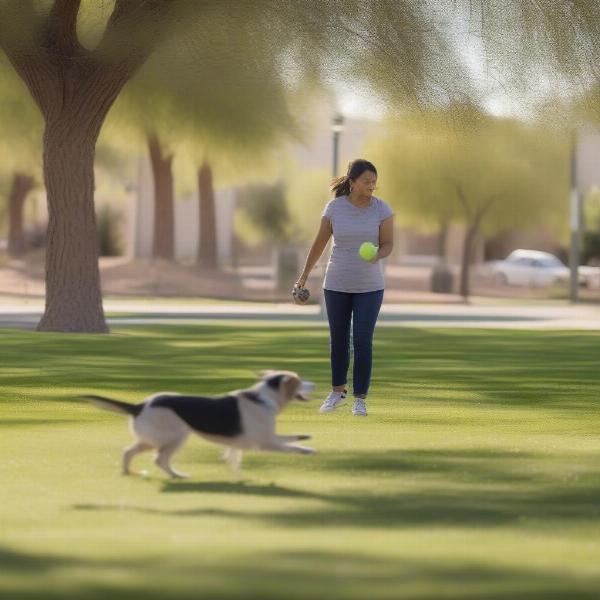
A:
[(476, 474)]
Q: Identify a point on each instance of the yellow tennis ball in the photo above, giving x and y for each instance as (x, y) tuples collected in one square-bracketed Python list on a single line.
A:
[(367, 251)]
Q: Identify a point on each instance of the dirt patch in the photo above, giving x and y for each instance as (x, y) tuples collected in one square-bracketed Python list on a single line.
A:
[(124, 277), (162, 278)]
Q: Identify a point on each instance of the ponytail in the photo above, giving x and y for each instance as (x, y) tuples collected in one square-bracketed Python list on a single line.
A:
[(340, 186)]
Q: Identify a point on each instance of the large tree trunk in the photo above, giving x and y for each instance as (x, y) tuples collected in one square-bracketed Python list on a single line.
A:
[(207, 244), (73, 296), (74, 87), (474, 216), (164, 208), (442, 279), (21, 186)]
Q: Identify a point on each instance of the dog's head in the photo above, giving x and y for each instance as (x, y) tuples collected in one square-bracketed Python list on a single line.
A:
[(285, 386)]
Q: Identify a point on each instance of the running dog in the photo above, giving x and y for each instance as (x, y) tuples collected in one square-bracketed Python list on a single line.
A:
[(240, 420)]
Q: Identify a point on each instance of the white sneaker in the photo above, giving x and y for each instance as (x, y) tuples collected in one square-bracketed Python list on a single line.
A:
[(360, 407), (332, 401)]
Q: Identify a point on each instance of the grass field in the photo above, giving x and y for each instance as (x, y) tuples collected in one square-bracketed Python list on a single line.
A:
[(476, 474)]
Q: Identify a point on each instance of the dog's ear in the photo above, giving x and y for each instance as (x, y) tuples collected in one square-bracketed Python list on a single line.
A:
[(275, 381)]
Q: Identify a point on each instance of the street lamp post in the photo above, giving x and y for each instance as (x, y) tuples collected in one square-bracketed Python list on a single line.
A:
[(575, 225), (337, 126)]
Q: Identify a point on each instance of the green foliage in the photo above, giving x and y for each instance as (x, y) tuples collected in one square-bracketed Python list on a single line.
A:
[(591, 209), (532, 49), (225, 100), (407, 52), (456, 164), (474, 476), (285, 212), (367, 40), (307, 193), (21, 126), (20, 135), (591, 247), (264, 214), (591, 220)]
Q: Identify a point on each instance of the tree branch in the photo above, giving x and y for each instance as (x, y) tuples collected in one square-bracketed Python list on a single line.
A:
[(133, 32), (60, 31), (463, 200), (20, 25), (131, 35), (481, 212)]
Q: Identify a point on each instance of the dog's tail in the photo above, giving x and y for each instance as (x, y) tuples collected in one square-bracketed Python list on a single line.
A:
[(116, 405)]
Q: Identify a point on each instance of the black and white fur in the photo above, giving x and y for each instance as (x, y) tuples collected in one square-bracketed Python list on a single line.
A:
[(240, 420)]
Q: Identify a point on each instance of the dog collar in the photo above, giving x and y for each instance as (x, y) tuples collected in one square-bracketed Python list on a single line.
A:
[(253, 397)]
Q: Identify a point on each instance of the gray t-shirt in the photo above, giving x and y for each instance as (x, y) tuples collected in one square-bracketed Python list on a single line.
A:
[(346, 270)]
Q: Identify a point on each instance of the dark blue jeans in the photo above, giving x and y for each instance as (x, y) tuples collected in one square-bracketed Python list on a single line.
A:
[(362, 310)]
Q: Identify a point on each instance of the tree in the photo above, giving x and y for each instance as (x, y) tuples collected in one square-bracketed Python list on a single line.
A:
[(536, 47), (214, 129), (491, 174), (21, 126), (422, 200), (74, 88), (591, 233), (161, 161), (215, 106), (22, 184)]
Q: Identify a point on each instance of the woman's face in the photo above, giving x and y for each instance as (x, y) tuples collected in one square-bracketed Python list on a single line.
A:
[(365, 184)]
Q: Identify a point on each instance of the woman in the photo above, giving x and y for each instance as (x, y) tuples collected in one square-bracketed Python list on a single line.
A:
[(353, 287)]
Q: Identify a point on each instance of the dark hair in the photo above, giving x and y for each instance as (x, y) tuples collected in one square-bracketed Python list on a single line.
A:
[(341, 185)]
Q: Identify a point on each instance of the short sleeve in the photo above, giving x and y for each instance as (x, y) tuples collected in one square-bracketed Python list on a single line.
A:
[(385, 211), (328, 211)]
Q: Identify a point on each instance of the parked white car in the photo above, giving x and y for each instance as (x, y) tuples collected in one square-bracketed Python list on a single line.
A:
[(531, 268)]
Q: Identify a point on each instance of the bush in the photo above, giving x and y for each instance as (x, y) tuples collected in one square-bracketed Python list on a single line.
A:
[(591, 247), (110, 242)]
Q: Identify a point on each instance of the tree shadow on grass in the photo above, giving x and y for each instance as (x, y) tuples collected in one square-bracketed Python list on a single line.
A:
[(475, 509), (31, 422), (295, 575), (499, 367), (147, 510), (467, 488), (479, 465)]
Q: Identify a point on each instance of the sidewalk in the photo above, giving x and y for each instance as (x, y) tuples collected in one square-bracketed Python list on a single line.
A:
[(480, 313)]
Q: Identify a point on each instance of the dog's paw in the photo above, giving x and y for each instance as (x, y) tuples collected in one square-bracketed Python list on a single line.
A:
[(143, 473), (304, 437), (306, 450)]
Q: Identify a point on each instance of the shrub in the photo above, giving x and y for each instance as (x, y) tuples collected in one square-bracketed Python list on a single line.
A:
[(110, 242)]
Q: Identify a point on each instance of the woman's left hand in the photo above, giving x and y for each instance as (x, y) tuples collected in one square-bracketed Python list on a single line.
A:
[(300, 294)]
